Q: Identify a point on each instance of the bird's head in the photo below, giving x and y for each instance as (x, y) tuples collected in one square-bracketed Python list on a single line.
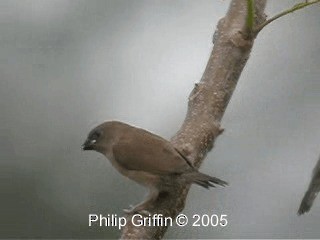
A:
[(94, 139), (102, 137)]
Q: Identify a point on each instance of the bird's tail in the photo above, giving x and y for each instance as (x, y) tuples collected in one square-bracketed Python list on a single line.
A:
[(203, 180)]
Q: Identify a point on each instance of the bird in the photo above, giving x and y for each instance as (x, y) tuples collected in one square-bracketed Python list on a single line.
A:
[(145, 158), (312, 192)]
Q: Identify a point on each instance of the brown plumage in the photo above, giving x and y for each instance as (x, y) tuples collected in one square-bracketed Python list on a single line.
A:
[(145, 158), (312, 192)]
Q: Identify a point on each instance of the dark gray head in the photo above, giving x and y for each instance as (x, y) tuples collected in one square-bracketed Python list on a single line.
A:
[(93, 138), (101, 137)]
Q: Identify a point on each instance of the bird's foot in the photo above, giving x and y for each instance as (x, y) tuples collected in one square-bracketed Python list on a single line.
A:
[(136, 209), (129, 210)]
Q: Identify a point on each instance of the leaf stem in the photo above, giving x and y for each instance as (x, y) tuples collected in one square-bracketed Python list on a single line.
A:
[(291, 10)]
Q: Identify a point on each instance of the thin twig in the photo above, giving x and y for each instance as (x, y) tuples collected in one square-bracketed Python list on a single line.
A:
[(250, 16), (291, 10)]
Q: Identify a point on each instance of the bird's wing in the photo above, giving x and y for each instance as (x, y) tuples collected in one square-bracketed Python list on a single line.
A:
[(312, 192), (148, 152)]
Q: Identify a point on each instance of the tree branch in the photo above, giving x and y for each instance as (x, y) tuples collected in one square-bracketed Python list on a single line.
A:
[(291, 10), (207, 104)]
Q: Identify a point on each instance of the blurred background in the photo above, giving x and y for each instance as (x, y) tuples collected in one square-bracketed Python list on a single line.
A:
[(67, 66)]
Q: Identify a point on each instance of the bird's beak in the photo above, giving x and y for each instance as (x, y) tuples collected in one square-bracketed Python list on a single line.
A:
[(88, 145)]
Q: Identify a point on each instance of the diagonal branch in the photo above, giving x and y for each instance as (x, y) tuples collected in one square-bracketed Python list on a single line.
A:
[(207, 104), (279, 15)]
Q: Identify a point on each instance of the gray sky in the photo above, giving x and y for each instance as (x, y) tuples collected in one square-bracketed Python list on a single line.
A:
[(67, 66)]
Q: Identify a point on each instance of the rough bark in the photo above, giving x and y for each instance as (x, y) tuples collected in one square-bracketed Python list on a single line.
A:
[(207, 104)]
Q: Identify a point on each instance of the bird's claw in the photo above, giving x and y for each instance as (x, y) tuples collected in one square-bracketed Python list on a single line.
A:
[(129, 210), (133, 209), (145, 212)]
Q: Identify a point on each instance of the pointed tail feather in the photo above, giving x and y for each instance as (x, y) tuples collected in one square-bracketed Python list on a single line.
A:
[(203, 180)]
